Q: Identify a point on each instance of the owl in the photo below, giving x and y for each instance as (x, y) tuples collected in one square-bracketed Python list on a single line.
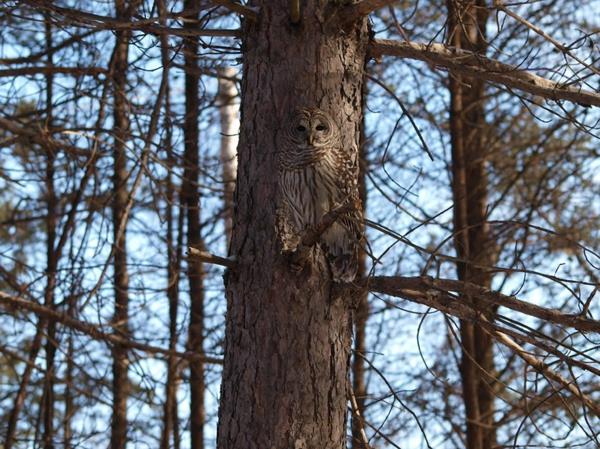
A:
[(315, 175)]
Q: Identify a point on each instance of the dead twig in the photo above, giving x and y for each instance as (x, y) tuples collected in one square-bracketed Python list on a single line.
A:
[(205, 256)]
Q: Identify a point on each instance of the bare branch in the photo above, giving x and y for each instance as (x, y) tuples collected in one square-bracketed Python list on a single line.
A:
[(309, 238), (40, 54), (96, 21), (207, 257), (363, 8), (356, 412), (238, 8), (40, 136), (475, 65), (312, 235), (13, 302), (399, 286), (562, 48), (77, 71), (421, 291), (543, 368)]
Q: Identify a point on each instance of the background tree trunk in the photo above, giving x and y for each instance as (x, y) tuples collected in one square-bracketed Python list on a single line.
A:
[(119, 208), (190, 196), (288, 334), (230, 128), (466, 29), (361, 314), (13, 417), (69, 383), (174, 246), (51, 256)]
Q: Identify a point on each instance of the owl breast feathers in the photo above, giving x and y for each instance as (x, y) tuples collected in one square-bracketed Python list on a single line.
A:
[(315, 175)]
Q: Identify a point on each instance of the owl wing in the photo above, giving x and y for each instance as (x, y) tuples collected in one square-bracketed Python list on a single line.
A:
[(342, 240)]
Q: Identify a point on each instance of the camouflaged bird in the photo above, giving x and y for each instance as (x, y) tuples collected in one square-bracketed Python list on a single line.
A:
[(315, 175)]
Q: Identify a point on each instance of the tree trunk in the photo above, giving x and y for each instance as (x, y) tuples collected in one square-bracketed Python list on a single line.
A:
[(69, 379), (51, 257), (230, 128), (47, 406), (361, 314), (13, 418), (466, 28), (119, 210), (190, 195), (288, 333), (174, 252)]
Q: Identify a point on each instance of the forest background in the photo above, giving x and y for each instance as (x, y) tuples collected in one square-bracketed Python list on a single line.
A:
[(479, 178)]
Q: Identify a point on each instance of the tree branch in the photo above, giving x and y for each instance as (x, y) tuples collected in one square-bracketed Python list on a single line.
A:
[(309, 238), (52, 70), (238, 8), (41, 136), (32, 57), (499, 4), (93, 331), (475, 65), (356, 11), (84, 18), (312, 235), (543, 368), (427, 291), (207, 257), (422, 286)]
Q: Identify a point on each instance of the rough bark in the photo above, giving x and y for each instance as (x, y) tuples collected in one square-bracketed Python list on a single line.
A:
[(466, 29), (288, 333), (190, 196), (120, 380)]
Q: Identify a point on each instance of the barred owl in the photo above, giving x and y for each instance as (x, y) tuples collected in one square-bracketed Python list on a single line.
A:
[(315, 175)]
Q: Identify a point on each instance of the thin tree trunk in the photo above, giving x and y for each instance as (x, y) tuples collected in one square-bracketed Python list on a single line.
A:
[(171, 424), (13, 418), (230, 128), (173, 259), (173, 328), (466, 28), (190, 196), (69, 402), (119, 206), (173, 266), (359, 386), (51, 258), (288, 333), (51, 265), (361, 314)]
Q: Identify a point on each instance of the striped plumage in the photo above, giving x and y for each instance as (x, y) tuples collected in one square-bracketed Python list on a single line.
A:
[(316, 175)]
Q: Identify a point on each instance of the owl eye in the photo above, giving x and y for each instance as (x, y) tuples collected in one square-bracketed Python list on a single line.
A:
[(321, 128), (301, 128)]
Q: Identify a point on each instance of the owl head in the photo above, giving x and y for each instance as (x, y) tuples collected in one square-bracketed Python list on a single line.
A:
[(311, 128)]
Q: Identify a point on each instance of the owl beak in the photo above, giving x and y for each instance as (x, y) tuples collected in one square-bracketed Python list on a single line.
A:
[(310, 139)]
